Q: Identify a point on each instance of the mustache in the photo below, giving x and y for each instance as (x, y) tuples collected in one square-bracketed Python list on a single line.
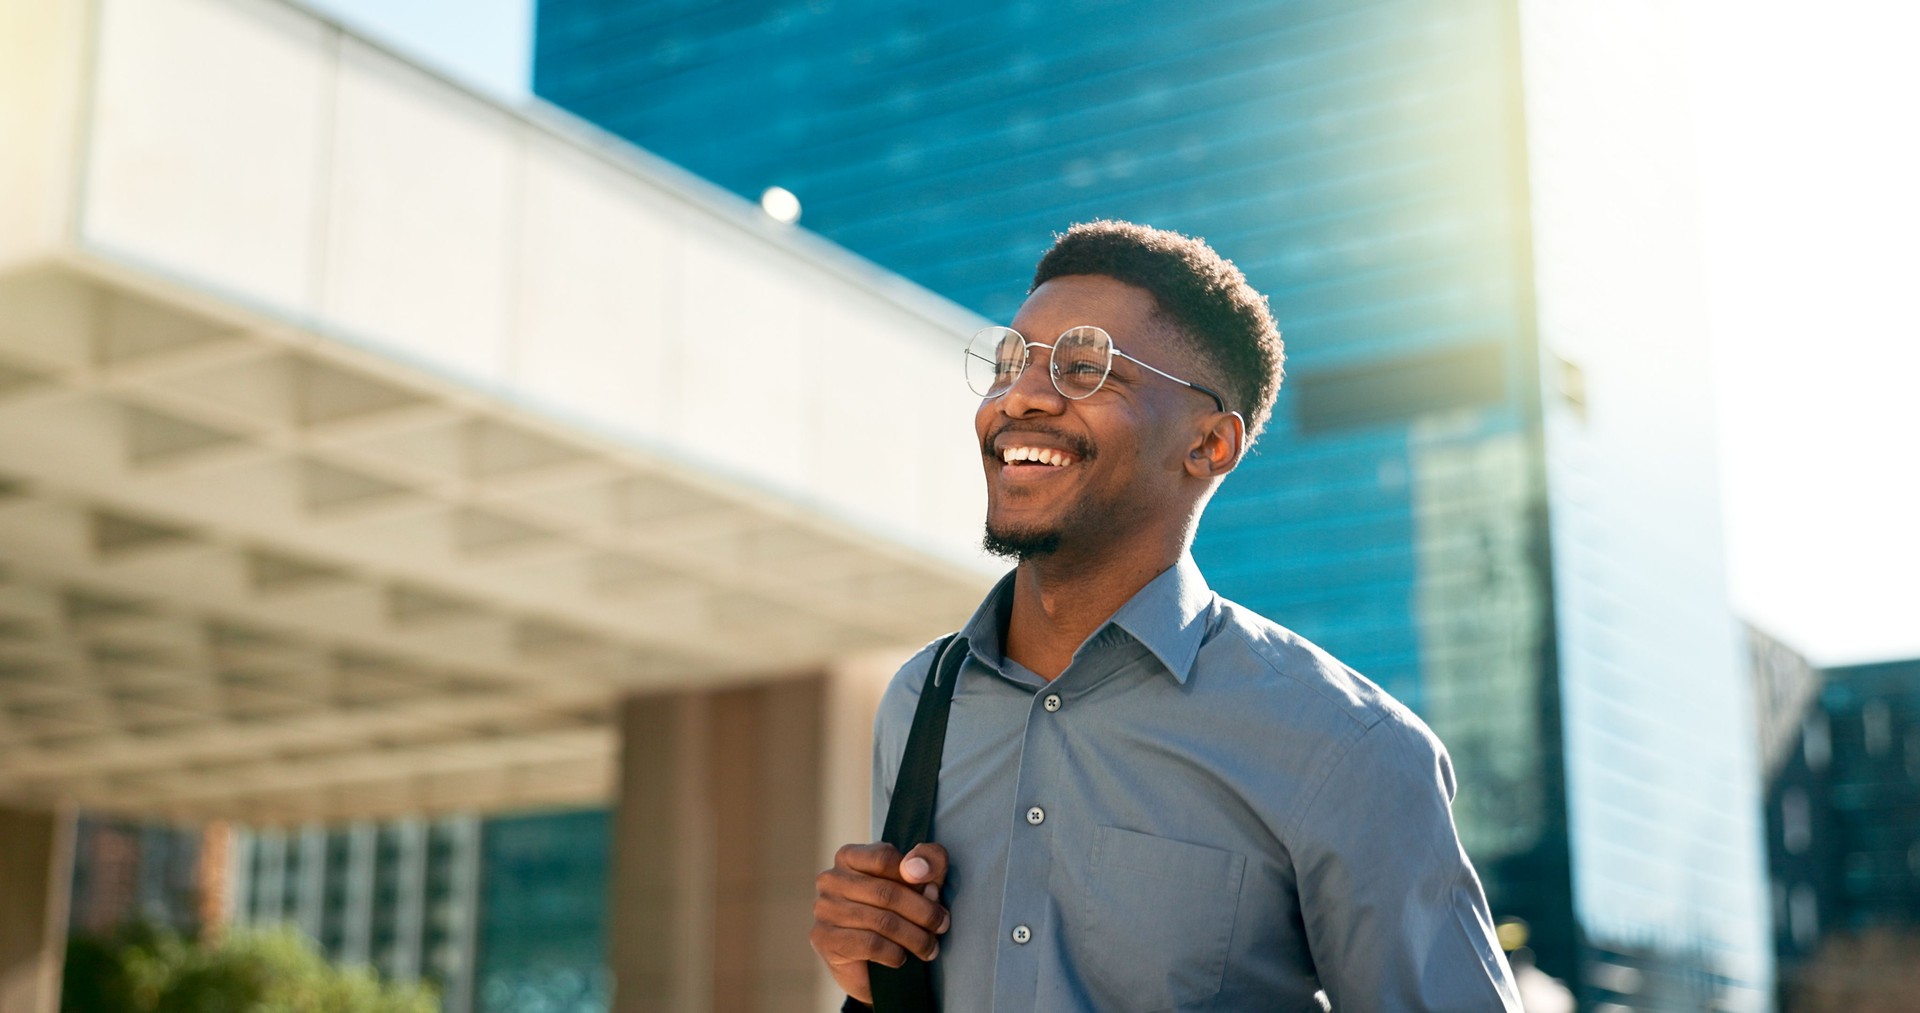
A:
[(1078, 445)]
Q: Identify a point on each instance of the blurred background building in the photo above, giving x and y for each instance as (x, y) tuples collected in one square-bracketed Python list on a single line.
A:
[(1472, 487), (501, 913), (1843, 828)]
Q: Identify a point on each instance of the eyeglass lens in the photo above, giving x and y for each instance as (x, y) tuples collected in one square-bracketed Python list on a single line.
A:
[(1078, 361)]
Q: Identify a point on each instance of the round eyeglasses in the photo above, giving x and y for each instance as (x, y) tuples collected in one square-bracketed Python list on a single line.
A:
[(1078, 362)]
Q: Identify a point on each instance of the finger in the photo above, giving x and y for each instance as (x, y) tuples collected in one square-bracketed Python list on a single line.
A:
[(849, 973), (876, 859), (839, 890), (932, 892), (926, 863), (845, 946), (893, 928)]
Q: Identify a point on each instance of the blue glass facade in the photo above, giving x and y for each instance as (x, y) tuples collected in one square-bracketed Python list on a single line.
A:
[(543, 898), (396, 896), (1362, 163), (503, 914)]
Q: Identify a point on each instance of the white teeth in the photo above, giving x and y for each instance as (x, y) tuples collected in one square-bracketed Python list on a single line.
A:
[(1053, 457)]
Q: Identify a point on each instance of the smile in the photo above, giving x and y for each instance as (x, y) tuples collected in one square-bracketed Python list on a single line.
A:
[(1037, 456)]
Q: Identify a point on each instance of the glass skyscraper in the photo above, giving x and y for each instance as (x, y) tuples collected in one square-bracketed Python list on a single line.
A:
[(502, 914), (1369, 167), (542, 939), (397, 896)]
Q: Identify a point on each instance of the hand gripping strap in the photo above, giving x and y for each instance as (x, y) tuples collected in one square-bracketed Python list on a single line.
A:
[(909, 988)]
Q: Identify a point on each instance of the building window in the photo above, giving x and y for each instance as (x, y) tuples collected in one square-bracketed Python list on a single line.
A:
[(1803, 916), (1796, 821), (1572, 383), (1877, 721), (1397, 389), (1817, 741)]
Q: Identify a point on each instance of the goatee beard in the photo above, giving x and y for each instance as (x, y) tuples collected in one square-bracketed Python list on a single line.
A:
[(1020, 546)]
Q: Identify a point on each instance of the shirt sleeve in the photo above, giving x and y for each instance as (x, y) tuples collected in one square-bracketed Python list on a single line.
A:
[(1396, 919), (891, 722)]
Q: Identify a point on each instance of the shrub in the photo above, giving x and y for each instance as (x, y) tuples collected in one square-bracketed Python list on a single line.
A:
[(143, 970)]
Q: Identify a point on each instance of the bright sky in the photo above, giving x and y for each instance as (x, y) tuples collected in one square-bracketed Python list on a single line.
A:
[(1810, 157), (1811, 217), (487, 44)]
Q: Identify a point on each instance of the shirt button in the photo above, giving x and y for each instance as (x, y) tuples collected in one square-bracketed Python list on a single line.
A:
[(1021, 934), (1052, 702), (1036, 816)]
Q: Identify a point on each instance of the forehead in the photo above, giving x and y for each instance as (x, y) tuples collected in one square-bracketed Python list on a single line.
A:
[(1125, 311)]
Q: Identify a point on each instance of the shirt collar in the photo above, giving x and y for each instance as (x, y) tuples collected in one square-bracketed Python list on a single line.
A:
[(1167, 617), (984, 631)]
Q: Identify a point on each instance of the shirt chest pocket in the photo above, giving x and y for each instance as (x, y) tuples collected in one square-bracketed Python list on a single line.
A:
[(1158, 918)]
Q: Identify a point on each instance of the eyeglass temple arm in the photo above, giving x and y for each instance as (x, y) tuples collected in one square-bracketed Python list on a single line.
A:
[(1219, 402)]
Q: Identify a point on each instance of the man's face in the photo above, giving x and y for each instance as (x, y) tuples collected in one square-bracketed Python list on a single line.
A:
[(1102, 469)]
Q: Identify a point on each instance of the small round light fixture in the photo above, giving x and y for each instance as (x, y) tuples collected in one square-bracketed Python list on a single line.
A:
[(780, 204), (1512, 933)]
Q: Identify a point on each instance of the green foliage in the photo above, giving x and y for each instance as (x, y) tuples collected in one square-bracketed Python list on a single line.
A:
[(260, 971)]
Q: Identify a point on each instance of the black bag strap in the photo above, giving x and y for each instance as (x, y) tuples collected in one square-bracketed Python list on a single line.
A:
[(909, 987)]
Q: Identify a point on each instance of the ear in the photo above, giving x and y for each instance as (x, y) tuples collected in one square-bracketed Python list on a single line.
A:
[(1218, 449)]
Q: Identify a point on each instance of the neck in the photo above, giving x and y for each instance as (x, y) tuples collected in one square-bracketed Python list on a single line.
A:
[(1060, 600)]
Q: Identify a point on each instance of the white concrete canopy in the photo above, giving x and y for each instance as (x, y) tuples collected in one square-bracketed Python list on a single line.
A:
[(362, 440)]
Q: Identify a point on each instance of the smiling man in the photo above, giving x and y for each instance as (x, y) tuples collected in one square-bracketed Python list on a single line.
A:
[(1150, 798)]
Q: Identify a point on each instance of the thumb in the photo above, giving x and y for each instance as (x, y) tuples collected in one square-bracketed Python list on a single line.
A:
[(925, 864)]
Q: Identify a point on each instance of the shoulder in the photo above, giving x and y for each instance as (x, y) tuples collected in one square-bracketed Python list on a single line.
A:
[(1375, 739), (1364, 743), (903, 690), (893, 720), (1307, 678)]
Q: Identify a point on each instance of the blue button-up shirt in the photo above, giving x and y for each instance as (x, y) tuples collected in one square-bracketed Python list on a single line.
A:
[(1203, 811)]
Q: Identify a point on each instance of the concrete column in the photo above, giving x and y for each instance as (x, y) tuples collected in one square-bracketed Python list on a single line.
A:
[(770, 811), (465, 831), (36, 870), (240, 885), (270, 896), (410, 888), (853, 688), (308, 883), (735, 795), (661, 944), (717, 843), (363, 847)]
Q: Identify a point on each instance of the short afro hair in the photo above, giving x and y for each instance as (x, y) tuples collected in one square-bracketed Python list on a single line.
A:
[(1200, 292)]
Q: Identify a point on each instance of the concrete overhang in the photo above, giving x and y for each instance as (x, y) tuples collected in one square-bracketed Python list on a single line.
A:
[(361, 439)]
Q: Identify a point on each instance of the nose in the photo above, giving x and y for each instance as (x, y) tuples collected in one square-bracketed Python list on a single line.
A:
[(1033, 392)]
